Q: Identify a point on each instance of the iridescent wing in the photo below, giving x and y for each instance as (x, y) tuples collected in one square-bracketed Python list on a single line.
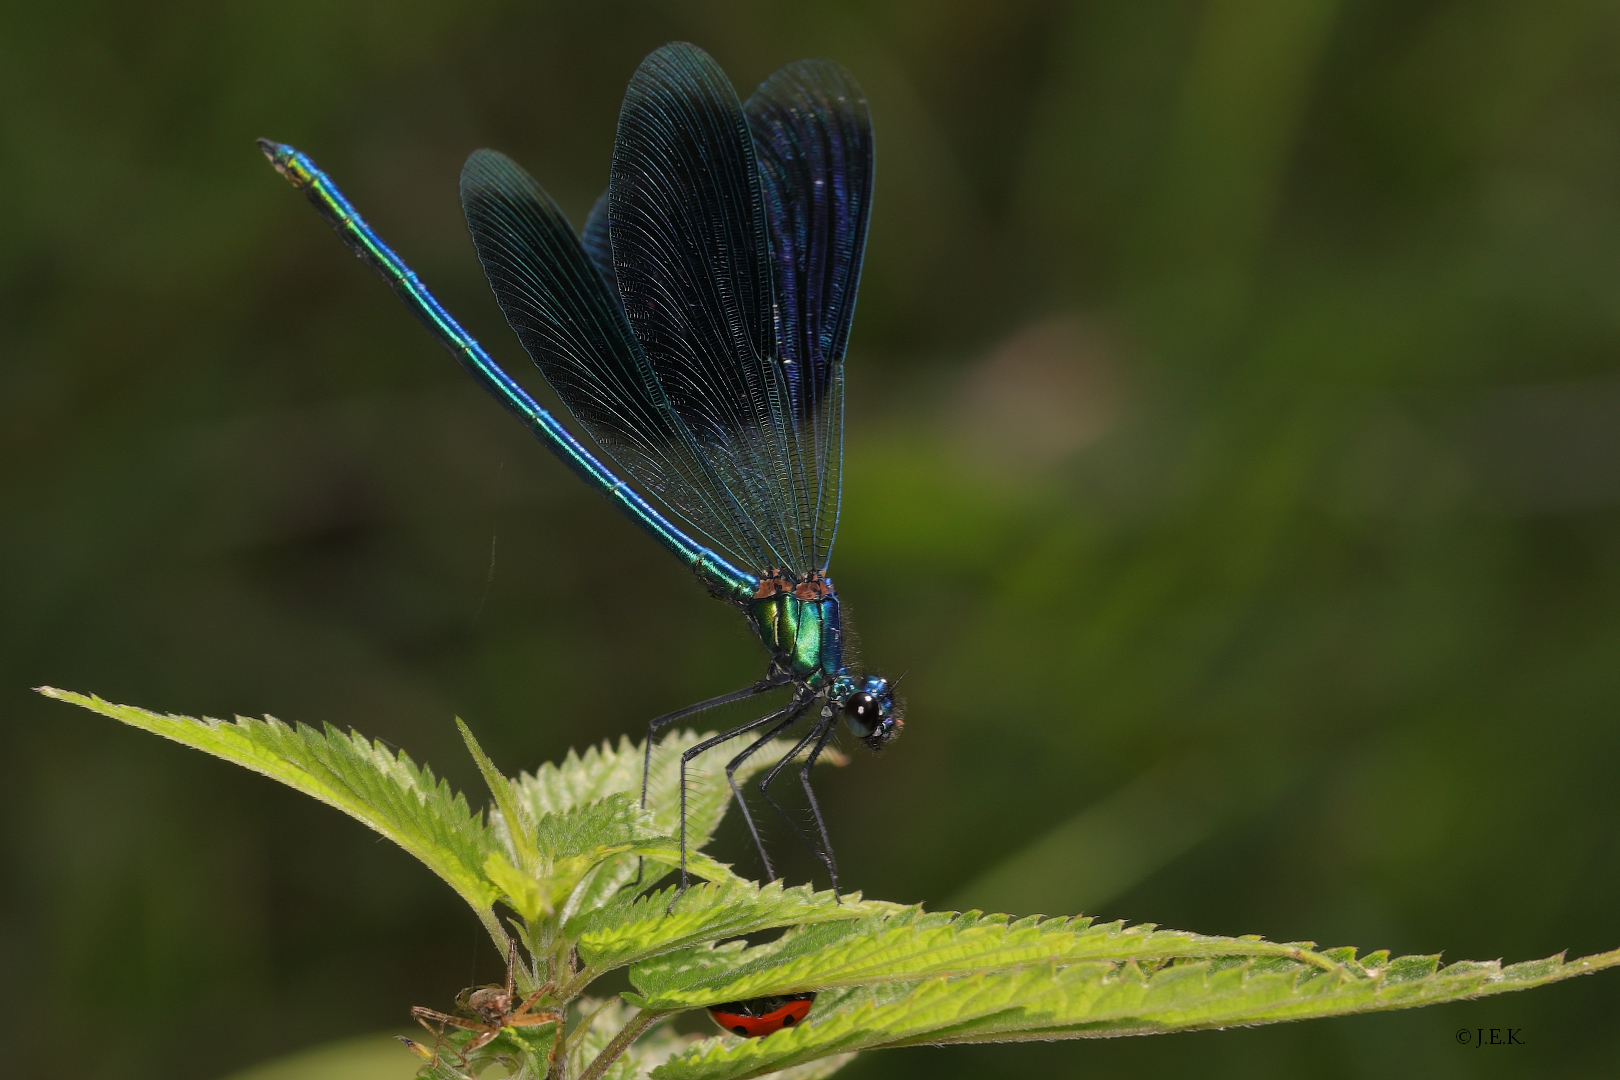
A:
[(692, 258), (599, 246), (660, 328), (561, 309), (813, 137)]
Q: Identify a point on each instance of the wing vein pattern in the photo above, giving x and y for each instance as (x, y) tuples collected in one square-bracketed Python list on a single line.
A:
[(696, 329)]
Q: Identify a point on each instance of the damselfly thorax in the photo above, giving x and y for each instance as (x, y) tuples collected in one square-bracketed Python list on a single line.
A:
[(797, 619)]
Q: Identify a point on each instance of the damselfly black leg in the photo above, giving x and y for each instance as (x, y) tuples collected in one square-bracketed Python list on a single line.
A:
[(764, 685), (742, 803), (820, 733), (725, 736), (667, 719), (828, 727)]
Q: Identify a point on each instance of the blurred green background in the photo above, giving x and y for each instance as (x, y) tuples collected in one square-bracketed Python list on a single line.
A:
[(1233, 472)]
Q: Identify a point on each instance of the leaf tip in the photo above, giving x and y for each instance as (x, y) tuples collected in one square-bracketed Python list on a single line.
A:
[(468, 738), (416, 1048)]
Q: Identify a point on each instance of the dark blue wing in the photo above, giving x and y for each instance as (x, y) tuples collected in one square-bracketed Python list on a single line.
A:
[(661, 328), (812, 134), (598, 245), (692, 259), (561, 309)]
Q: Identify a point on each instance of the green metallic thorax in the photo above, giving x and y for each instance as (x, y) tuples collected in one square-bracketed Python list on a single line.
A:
[(801, 629)]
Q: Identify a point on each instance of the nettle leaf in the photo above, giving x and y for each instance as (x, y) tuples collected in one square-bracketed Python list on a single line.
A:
[(523, 892), (563, 846), (440, 1064), (607, 770), (570, 844), (519, 1052), (513, 824), (600, 1021), (668, 852), (364, 779), (615, 822), (581, 778), (636, 928), (1100, 999), (910, 944), (606, 885), (814, 1070)]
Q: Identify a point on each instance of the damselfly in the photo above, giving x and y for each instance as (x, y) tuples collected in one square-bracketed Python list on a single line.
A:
[(696, 329)]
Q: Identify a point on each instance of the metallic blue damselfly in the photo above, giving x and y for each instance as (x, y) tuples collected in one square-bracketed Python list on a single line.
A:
[(695, 329)]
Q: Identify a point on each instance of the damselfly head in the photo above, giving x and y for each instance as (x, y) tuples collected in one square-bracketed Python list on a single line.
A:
[(872, 713)]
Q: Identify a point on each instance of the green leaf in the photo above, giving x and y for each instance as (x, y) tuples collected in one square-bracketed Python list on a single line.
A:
[(560, 849), (909, 944), (576, 842), (614, 822), (571, 843), (607, 1019), (523, 893), (1100, 999), (365, 780), (515, 825), (441, 1062), (520, 1052), (605, 770), (668, 852), (657, 1046), (814, 1070), (637, 928), (582, 778)]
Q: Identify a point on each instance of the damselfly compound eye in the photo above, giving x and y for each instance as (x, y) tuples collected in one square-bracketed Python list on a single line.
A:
[(862, 713)]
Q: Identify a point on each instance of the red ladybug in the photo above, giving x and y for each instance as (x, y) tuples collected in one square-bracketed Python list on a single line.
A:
[(761, 1016)]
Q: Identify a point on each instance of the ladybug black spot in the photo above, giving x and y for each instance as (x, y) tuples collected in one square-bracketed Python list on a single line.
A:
[(739, 1029), (788, 1021)]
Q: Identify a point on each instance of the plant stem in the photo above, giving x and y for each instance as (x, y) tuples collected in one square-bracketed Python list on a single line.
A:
[(643, 1020), (568, 991), (503, 941)]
